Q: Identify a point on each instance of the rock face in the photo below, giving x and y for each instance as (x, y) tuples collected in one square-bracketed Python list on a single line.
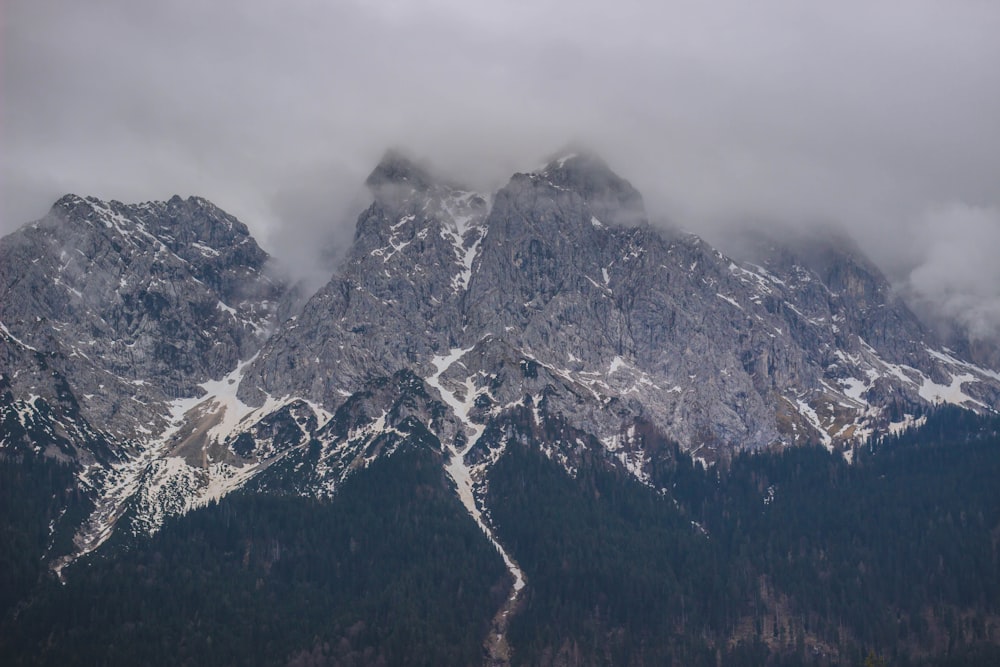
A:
[(399, 297), (145, 301), (138, 340), (109, 313), (795, 342)]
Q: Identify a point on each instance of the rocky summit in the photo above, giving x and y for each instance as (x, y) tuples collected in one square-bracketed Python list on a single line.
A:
[(149, 343)]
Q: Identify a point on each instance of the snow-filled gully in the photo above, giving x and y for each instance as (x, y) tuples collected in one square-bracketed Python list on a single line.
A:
[(461, 473)]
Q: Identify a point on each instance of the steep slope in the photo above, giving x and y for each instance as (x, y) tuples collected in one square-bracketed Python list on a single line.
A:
[(111, 312), (397, 300), (551, 311), (561, 300), (806, 344), (145, 301)]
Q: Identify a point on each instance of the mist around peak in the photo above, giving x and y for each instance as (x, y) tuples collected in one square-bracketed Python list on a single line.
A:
[(879, 118)]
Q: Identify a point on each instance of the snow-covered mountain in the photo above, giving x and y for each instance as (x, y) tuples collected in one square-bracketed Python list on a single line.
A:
[(144, 343)]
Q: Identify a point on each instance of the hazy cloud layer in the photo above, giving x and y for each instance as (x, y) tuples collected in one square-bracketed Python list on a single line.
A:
[(878, 115), (958, 275)]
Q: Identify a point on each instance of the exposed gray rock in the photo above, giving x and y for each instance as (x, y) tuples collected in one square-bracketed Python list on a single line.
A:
[(398, 299), (551, 313), (796, 342), (135, 304), (108, 313)]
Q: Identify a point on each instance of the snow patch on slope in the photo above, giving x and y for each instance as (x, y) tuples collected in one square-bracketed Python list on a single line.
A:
[(809, 413), (457, 468), (461, 224), (6, 332), (159, 484), (933, 392)]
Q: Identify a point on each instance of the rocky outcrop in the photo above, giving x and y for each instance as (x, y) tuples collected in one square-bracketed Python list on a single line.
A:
[(135, 304), (398, 299)]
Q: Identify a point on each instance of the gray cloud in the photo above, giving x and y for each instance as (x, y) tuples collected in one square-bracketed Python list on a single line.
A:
[(879, 116), (958, 275)]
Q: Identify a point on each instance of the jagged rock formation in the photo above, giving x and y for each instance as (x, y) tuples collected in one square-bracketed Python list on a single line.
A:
[(110, 312), (140, 339), (625, 321), (398, 298), (146, 301)]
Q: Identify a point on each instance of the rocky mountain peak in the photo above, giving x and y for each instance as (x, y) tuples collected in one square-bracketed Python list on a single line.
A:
[(176, 223), (69, 202), (157, 297), (397, 170), (574, 158), (199, 209), (395, 301), (409, 200), (545, 305), (578, 172)]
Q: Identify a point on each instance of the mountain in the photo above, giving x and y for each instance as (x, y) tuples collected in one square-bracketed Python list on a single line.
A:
[(558, 289), (151, 336), (109, 313), (157, 298), (149, 348)]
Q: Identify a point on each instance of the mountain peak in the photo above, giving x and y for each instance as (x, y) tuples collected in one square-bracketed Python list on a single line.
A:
[(397, 168), (574, 157), (581, 170), (70, 204), (68, 200)]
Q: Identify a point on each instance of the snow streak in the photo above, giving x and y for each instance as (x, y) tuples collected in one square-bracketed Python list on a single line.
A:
[(461, 473)]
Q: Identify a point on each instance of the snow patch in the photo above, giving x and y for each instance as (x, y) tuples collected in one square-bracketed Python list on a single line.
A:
[(226, 309), (205, 250), (457, 468), (809, 413), (616, 364), (561, 162), (459, 223), (854, 388), (729, 300), (164, 485), (948, 359), (6, 332), (402, 221), (908, 422), (933, 392)]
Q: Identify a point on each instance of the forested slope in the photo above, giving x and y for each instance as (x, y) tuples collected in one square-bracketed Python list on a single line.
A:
[(792, 557)]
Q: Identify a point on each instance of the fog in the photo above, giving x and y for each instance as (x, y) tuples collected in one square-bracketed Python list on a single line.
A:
[(879, 116)]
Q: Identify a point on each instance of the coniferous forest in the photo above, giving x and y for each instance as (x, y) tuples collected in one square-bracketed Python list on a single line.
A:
[(781, 558)]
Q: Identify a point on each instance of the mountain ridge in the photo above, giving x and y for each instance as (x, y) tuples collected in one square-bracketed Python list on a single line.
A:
[(552, 300)]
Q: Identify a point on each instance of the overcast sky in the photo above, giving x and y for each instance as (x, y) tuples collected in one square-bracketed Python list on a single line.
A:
[(882, 116)]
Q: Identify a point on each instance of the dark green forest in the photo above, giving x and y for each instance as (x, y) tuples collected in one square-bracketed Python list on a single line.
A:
[(39, 504), (394, 572), (774, 558)]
